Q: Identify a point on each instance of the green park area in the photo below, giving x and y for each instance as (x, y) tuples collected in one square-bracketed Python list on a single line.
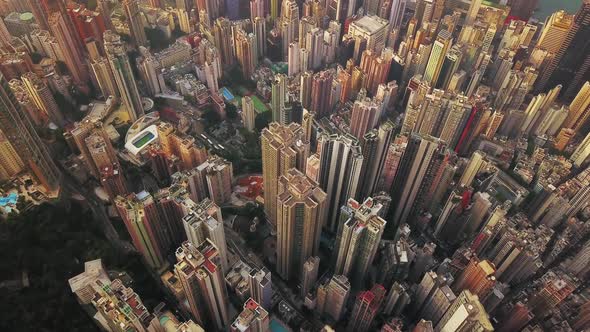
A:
[(258, 104), (241, 90)]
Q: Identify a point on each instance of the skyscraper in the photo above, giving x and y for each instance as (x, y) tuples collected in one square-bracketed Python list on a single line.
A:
[(103, 7), (89, 24), (121, 69), (274, 8), (20, 132), (42, 97), (184, 22), (252, 319), (373, 29), (104, 77), (449, 66), (364, 116), (114, 306), (479, 210), (256, 9), (437, 303), (310, 274), (582, 152), (579, 265), (83, 130), (396, 15), (301, 208), (246, 52), (248, 113), (259, 27), (465, 314), (571, 64), (204, 221), (563, 138), (340, 163), (376, 68), (217, 175), (40, 13), (60, 26), (190, 152), (314, 40), (278, 95), (476, 163), (283, 148), (135, 22), (320, 93), (473, 11), (496, 120), (100, 150), (148, 233), (294, 59), (555, 31), (375, 147), (222, 35), (418, 166), (477, 277), (26, 104), (393, 158), (289, 24), (579, 111), (260, 284), (437, 55), (198, 268), (359, 233), (537, 108), (333, 296), (306, 84), (366, 307), (429, 283), (397, 299), (10, 162)]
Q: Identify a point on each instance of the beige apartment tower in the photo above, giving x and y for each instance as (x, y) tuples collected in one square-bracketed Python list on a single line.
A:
[(301, 208), (283, 147)]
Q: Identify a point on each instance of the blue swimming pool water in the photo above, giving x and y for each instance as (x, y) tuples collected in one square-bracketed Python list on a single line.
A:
[(276, 326), (7, 200), (226, 94)]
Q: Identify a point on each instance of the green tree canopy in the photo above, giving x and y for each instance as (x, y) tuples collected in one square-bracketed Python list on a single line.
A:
[(211, 117), (51, 243), (231, 111), (262, 120)]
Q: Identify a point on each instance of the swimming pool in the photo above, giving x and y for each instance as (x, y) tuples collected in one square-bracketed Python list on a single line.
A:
[(11, 199), (277, 326), (227, 94)]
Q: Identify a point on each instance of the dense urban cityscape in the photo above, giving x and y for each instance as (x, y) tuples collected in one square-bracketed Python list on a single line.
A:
[(294, 165)]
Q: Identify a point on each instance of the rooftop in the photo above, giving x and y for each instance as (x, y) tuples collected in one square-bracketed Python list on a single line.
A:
[(370, 23)]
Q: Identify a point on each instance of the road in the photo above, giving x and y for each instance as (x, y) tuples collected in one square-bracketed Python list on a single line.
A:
[(236, 243), (98, 211)]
